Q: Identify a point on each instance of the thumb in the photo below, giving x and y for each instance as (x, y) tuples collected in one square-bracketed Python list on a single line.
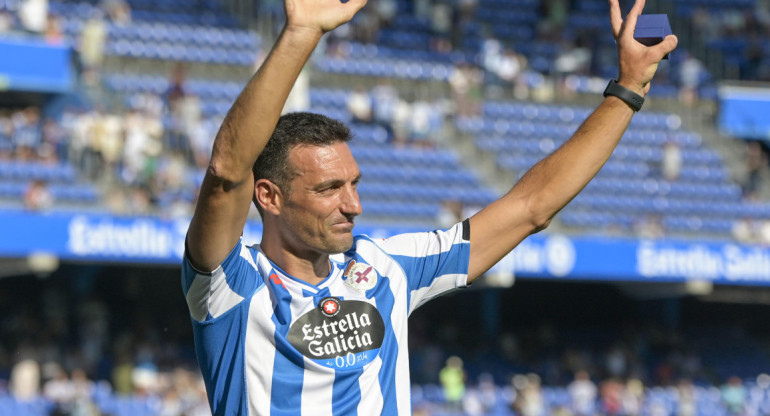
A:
[(666, 46)]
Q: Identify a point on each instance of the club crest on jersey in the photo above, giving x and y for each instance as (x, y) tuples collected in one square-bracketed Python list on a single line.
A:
[(360, 276), (329, 306)]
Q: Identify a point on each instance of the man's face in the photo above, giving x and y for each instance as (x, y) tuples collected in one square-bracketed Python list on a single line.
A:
[(317, 214)]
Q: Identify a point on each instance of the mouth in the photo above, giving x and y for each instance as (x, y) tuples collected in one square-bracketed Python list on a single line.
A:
[(344, 226)]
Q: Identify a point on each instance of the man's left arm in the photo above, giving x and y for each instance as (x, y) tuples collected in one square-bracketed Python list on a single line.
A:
[(554, 181)]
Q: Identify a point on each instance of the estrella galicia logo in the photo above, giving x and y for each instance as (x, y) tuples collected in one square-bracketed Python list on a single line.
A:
[(339, 333)]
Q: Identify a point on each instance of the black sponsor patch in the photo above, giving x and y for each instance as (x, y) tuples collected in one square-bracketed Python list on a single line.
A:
[(338, 328)]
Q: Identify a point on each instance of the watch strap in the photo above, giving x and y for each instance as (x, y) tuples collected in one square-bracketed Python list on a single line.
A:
[(634, 100)]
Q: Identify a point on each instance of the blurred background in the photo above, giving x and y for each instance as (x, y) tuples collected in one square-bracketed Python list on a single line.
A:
[(648, 294)]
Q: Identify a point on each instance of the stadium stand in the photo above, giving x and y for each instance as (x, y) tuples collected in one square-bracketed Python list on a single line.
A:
[(509, 74)]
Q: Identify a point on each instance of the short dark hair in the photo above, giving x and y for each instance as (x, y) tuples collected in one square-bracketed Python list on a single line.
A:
[(292, 130)]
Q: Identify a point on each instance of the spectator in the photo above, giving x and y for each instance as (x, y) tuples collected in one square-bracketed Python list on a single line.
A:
[(633, 396), (299, 97), (60, 391), (6, 138), (27, 133), (37, 197), (122, 374), (25, 379), (366, 26), (53, 34), (573, 59), (583, 393), (744, 230), (466, 11), (688, 405), (108, 144), (466, 83), (452, 378), (486, 393), (423, 124), (33, 15), (184, 110), (764, 233), (691, 72), (176, 89), (650, 227), (734, 396), (529, 395), (118, 11), (384, 97), (202, 134), (615, 361), (82, 389), (53, 135), (402, 116), (441, 25), (672, 161), (360, 105), (93, 37), (142, 146), (756, 171), (6, 21), (556, 12), (611, 393), (386, 12)]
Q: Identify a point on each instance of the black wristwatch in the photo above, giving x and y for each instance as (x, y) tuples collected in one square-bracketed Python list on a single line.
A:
[(631, 98)]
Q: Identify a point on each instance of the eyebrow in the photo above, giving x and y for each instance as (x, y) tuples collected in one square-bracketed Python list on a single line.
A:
[(332, 182)]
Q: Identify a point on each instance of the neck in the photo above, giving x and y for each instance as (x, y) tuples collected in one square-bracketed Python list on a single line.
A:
[(310, 267)]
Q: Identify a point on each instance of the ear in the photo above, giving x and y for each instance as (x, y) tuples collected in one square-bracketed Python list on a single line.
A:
[(268, 195)]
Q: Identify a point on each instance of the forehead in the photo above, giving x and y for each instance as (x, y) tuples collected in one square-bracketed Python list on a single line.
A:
[(320, 163)]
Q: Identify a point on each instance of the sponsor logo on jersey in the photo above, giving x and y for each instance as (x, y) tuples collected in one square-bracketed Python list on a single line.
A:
[(329, 307), (360, 276), (339, 333)]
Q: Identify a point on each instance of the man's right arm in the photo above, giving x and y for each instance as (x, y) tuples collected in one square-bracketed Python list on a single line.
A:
[(228, 185)]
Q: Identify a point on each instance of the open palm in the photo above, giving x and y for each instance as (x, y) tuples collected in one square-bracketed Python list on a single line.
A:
[(323, 15)]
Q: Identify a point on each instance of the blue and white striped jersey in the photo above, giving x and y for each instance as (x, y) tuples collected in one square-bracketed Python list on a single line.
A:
[(270, 344)]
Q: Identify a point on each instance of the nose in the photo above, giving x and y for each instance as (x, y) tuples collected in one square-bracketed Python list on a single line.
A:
[(351, 204)]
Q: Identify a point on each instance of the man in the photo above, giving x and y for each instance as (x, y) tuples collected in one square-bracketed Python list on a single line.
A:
[(312, 321)]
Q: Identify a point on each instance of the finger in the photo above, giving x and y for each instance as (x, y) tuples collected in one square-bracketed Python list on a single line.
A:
[(666, 46), (616, 19), (632, 16)]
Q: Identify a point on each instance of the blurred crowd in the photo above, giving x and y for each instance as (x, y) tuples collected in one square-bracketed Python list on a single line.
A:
[(525, 395), (73, 350), (155, 146), (83, 352), (750, 27), (655, 372), (152, 162)]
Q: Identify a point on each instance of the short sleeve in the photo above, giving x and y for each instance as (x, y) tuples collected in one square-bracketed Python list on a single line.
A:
[(209, 295), (434, 262)]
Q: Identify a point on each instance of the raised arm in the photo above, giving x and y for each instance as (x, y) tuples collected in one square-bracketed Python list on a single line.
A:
[(549, 185), (228, 185)]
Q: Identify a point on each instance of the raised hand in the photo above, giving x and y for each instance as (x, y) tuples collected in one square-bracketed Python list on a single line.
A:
[(322, 15), (637, 62)]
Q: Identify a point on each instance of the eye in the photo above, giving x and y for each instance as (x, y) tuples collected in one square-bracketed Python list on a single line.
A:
[(328, 189)]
